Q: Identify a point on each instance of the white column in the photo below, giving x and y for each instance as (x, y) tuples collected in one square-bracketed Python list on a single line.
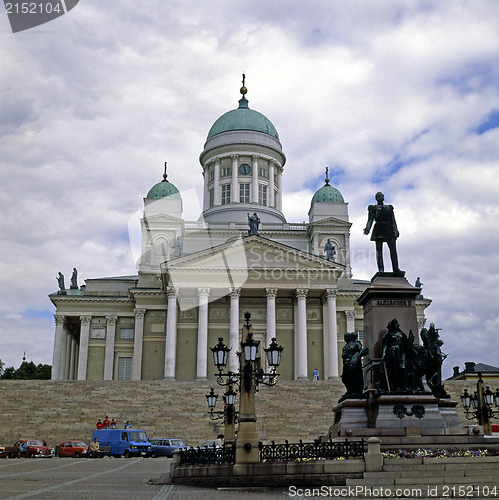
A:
[(254, 182), (206, 194), (271, 316), (67, 356), (217, 189), (57, 353), (350, 315), (202, 352), (72, 359), (348, 270), (301, 344), (279, 190), (332, 334), (272, 201), (138, 337), (109, 355), (83, 356), (234, 189), (234, 329), (171, 333)]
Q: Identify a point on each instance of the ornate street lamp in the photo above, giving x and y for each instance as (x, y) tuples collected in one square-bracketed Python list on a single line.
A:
[(479, 406), (220, 353), (246, 380), (230, 397), (250, 348), (466, 400), (212, 398), (273, 353)]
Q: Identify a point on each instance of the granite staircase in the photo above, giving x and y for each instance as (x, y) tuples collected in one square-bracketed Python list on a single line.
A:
[(58, 410)]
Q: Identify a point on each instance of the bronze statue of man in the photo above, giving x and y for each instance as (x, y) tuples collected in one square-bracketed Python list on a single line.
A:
[(385, 230)]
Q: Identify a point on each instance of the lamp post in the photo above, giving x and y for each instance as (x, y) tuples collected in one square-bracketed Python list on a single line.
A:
[(250, 375), (481, 405), (229, 414)]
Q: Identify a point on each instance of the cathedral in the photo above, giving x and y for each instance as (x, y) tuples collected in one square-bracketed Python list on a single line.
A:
[(196, 279)]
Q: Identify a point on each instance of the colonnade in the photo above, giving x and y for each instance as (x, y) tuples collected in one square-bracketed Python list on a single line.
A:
[(271, 330), (71, 355), (273, 182)]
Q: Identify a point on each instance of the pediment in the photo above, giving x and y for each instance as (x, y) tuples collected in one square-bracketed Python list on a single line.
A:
[(251, 259), (161, 218), (332, 221)]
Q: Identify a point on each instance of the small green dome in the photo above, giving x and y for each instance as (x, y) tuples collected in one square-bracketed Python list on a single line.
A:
[(164, 189), (243, 118), (327, 194)]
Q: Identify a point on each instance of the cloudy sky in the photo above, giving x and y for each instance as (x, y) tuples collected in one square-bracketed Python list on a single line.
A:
[(398, 96)]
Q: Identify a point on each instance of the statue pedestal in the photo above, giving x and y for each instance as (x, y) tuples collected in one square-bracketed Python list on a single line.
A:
[(387, 297), (399, 415), (412, 416)]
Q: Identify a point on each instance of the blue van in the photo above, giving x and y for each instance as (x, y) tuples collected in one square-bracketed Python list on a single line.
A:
[(128, 442)]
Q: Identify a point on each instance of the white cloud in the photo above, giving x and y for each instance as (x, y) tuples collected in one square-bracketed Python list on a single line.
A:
[(387, 94)]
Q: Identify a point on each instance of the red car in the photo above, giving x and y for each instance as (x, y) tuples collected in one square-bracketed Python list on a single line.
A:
[(74, 449), (31, 448)]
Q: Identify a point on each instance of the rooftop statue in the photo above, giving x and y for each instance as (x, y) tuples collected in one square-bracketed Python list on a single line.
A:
[(330, 250), (385, 230), (177, 248), (254, 222), (74, 279), (60, 282)]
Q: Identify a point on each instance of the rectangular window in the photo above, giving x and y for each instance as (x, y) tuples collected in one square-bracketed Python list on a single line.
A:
[(126, 333), (244, 192), (225, 194), (211, 176), (263, 172), (226, 171), (124, 368), (275, 198), (262, 194), (212, 197)]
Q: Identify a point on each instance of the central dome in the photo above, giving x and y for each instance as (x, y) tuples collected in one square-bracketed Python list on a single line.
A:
[(243, 118)]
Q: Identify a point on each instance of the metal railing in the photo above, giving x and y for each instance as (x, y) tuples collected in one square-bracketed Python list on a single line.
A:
[(311, 451), (208, 455)]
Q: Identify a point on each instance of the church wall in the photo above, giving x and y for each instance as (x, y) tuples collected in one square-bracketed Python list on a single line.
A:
[(185, 368), (315, 350), (95, 365), (153, 359), (285, 337)]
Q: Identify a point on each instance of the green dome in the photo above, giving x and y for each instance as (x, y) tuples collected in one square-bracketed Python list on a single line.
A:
[(164, 189), (327, 194), (243, 118)]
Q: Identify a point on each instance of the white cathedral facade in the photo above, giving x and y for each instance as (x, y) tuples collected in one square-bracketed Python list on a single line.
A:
[(196, 279)]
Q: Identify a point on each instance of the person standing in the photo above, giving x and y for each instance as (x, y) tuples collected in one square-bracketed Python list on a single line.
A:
[(315, 374), (106, 423), (99, 424)]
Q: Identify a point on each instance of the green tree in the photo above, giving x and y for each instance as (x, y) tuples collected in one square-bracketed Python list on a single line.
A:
[(27, 371)]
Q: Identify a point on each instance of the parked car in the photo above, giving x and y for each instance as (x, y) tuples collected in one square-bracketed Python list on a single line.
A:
[(75, 449), (34, 448), (128, 442), (164, 447), (210, 443)]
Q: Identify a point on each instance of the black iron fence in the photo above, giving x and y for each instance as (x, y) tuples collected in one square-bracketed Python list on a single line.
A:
[(311, 451), (208, 455)]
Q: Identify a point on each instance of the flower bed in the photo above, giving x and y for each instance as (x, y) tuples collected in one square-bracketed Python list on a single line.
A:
[(425, 453)]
